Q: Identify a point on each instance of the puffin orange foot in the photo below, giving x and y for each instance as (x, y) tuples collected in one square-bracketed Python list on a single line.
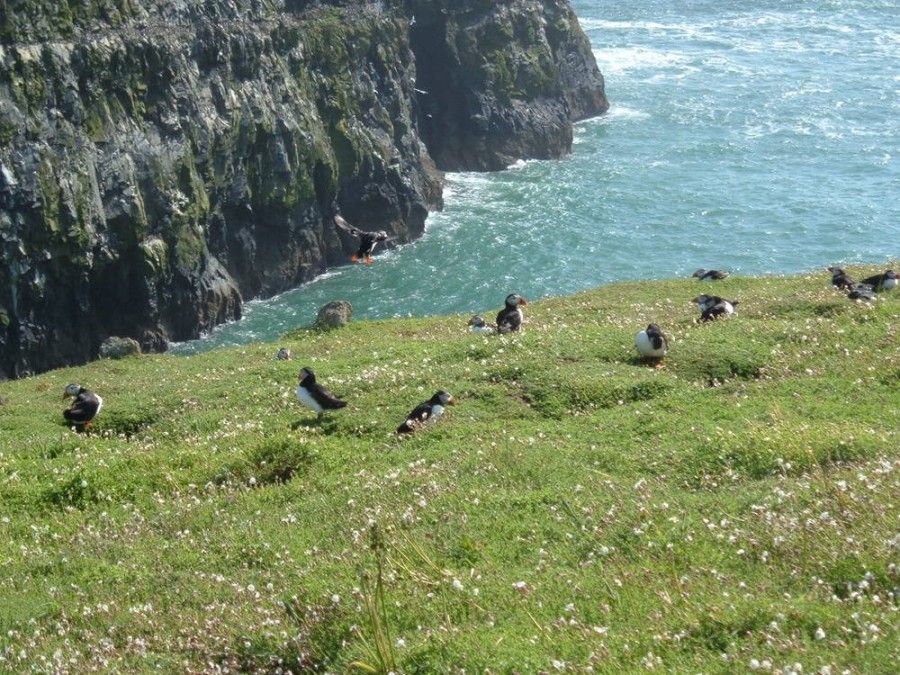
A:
[(659, 364), (354, 258), (368, 260)]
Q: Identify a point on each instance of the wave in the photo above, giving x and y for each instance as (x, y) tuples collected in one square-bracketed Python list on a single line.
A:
[(618, 60)]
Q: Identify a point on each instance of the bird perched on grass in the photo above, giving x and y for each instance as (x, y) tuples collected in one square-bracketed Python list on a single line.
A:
[(367, 240), (509, 319), (840, 279), (712, 306), (284, 354), (84, 408), (314, 396), (426, 412), (479, 325), (651, 343), (709, 275), (882, 282)]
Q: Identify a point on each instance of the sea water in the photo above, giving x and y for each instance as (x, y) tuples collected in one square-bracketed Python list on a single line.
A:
[(757, 137)]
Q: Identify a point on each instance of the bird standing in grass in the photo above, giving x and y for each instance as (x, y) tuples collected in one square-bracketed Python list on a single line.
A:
[(509, 319), (367, 240), (314, 396), (426, 412), (652, 344), (882, 282), (840, 279), (712, 306), (479, 326), (709, 275), (84, 408)]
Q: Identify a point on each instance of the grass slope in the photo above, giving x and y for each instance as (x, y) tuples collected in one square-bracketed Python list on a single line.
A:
[(576, 510)]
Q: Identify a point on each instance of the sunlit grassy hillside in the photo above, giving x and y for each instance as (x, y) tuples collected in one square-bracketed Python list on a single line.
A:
[(576, 510)]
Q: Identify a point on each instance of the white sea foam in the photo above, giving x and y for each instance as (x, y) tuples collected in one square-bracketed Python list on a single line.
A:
[(618, 60)]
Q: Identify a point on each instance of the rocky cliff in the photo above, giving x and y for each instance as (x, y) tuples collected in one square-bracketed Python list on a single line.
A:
[(162, 160)]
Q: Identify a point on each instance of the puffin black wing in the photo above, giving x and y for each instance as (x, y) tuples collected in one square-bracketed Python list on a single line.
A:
[(347, 227), (83, 409), (416, 418), (324, 397), (874, 281)]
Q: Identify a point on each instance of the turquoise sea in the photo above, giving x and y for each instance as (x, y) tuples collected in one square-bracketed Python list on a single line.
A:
[(758, 137)]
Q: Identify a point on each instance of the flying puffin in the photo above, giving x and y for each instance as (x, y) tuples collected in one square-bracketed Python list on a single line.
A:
[(709, 275), (652, 344), (882, 282), (429, 411), (479, 326), (367, 240), (712, 306), (509, 319), (313, 395), (84, 408), (861, 292), (840, 279)]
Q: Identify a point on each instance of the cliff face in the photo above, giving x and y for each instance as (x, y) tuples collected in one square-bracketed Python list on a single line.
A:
[(501, 80), (161, 160)]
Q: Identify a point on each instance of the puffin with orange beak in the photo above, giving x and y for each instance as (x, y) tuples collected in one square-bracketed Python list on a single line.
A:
[(426, 412), (510, 318), (84, 408)]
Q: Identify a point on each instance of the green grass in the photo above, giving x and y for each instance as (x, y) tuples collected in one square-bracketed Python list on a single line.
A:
[(575, 510)]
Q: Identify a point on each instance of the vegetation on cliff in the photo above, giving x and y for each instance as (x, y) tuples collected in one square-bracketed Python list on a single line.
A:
[(162, 161), (577, 509)]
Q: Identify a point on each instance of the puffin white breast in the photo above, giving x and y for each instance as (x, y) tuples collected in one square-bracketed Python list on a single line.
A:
[(306, 399), (645, 345)]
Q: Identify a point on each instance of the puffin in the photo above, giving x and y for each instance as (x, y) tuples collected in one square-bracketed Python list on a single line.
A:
[(367, 240), (861, 292), (313, 395), (509, 319), (284, 354), (84, 408), (709, 275), (652, 344), (882, 282), (712, 306), (840, 279), (426, 412), (479, 326)]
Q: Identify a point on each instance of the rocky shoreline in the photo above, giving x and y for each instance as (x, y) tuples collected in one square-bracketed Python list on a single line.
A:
[(162, 161)]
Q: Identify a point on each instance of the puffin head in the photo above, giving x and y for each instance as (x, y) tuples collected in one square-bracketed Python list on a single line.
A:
[(307, 373), (890, 274), (72, 390), (836, 270), (699, 273), (443, 398), (653, 329), (476, 321), (514, 300), (381, 235), (701, 299)]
